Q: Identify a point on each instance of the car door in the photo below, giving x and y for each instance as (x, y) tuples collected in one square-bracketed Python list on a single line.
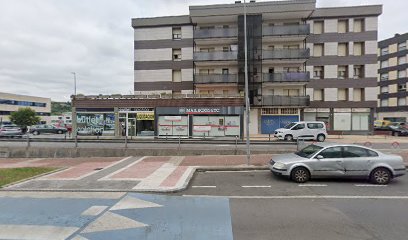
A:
[(329, 162), (298, 130), (357, 160)]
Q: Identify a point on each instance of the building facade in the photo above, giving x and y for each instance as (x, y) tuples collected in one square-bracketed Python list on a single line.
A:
[(12, 102), (303, 62), (392, 98)]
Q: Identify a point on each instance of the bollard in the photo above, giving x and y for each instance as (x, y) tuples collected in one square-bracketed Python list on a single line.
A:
[(236, 145), (76, 140), (65, 136), (179, 144)]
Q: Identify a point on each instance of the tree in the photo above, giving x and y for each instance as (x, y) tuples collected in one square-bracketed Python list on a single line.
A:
[(24, 117)]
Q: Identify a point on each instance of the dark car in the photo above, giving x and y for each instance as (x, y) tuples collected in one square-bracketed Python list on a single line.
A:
[(398, 130), (41, 129), (10, 131)]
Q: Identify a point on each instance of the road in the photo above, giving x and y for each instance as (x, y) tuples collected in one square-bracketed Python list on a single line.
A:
[(267, 207)]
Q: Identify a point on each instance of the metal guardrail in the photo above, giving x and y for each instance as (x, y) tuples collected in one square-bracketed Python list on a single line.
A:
[(216, 78), (286, 77), (216, 56), (302, 29), (286, 54), (215, 33)]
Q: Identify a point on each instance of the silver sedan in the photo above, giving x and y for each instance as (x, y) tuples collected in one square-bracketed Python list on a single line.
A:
[(338, 160)]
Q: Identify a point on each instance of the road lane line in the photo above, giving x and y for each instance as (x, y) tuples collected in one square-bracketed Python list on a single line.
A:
[(203, 186), (305, 197), (369, 185), (312, 185), (261, 186), (241, 171)]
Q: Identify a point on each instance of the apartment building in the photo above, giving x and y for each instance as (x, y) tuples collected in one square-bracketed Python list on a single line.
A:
[(12, 102), (303, 62), (392, 82)]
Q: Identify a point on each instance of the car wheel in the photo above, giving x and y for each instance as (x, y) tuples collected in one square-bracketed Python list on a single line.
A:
[(300, 175), (321, 138), (36, 133), (381, 176), (59, 132), (288, 137)]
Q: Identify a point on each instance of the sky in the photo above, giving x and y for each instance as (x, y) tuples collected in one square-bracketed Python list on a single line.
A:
[(43, 42)]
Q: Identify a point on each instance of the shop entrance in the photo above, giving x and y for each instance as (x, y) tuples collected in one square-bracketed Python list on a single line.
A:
[(136, 124)]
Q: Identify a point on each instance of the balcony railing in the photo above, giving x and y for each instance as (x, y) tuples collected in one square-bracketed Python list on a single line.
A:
[(300, 101), (287, 30), (215, 33), (215, 78), (286, 54), (215, 56), (286, 77)]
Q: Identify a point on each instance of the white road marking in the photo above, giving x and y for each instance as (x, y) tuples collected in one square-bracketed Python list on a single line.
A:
[(223, 145), (369, 185), (312, 185), (94, 211), (203, 186), (35, 232), (305, 197), (260, 186), (242, 171)]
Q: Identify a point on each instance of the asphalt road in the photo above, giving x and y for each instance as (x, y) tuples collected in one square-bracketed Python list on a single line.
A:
[(267, 207)]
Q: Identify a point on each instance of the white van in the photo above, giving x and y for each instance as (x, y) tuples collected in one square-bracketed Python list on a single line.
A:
[(305, 130)]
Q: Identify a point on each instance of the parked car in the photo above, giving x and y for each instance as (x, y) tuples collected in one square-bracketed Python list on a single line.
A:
[(398, 130), (41, 129), (382, 125), (305, 130), (338, 160), (10, 131)]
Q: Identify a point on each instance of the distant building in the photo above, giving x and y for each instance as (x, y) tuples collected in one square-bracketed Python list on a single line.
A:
[(392, 98), (64, 118), (12, 102)]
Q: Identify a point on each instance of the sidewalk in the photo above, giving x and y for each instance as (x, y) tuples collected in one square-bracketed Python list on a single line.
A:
[(149, 173)]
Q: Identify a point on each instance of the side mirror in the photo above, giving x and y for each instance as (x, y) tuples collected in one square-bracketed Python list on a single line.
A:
[(319, 157)]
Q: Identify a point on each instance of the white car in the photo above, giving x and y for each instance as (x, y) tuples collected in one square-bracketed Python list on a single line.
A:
[(304, 130)]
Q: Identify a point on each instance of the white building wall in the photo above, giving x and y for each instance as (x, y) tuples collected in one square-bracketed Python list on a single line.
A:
[(371, 23), (186, 32), (156, 33), (253, 121), (310, 92), (187, 75), (371, 93), (187, 53), (330, 94), (330, 71), (371, 70), (158, 75), (330, 25), (161, 54), (330, 49), (370, 47)]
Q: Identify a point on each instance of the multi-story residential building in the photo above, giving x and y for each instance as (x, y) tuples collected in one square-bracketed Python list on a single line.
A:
[(12, 102), (392, 98), (303, 62)]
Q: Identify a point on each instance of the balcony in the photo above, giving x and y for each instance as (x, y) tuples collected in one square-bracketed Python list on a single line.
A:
[(298, 101), (286, 77), (215, 56), (215, 78), (215, 33), (286, 54), (287, 30)]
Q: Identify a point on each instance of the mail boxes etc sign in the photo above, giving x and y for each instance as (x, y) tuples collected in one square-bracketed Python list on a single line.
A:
[(199, 110)]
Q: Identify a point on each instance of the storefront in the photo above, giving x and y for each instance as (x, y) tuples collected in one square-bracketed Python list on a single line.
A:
[(136, 122), (274, 118), (199, 121), (100, 122)]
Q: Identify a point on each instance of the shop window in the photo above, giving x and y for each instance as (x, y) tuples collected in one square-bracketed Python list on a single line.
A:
[(176, 54), (402, 46), (342, 94), (342, 26), (358, 71), (360, 121), (176, 75), (289, 111), (318, 27), (358, 48), (318, 72), (384, 51), (384, 64), (384, 77), (402, 87), (318, 50), (402, 60), (358, 25), (270, 111), (176, 33), (402, 101), (342, 49), (342, 72), (342, 121), (318, 95)]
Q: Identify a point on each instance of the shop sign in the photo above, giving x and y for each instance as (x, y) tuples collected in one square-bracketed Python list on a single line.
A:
[(342, 110), (95, 123), (172, 118), (309, 110), (141, 109), (199, 110), (361, 110), (323, 110), (145, 116), (201, 128)]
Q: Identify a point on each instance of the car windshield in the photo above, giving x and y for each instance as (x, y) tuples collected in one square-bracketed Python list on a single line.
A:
[(289, 126), (308, 151)]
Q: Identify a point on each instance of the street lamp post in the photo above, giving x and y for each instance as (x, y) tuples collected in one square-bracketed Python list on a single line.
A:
[(246, 87), (74, 82)]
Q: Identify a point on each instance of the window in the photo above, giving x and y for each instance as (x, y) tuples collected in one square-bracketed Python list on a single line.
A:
[(384, 103), (358, 48), (342, 49), (384, 76), (318, 50), (314, 125), (352, 152), (318, 94), (384, 64), (402, 73), (402, 60), (177, 54), (384, 51), (402, 101), (318, 27), (177, 33), (225, 49), (299, 126), (176, 75), (342, 26), (358, 94), (384, 89), (225, 26), (342, 94), (206, 71), (318, 72), (342, 72), (402, 46), (358, 25), (207, 49), (225, 92), (225, 71), (291, 46), (402, 87), (333, 152), (358, 71), (291, 92), (206, 27)]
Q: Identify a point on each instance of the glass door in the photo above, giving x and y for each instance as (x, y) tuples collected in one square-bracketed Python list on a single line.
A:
[(131, 124)]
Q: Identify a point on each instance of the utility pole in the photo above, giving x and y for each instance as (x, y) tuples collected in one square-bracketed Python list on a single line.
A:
[(74, 83), (246, 88)]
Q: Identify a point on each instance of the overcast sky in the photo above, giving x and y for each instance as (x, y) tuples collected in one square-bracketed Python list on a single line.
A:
[(42, 42)]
